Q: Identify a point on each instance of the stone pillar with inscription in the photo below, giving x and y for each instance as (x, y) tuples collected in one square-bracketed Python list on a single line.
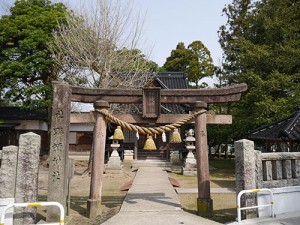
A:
[(8, 171), (204, 201), (99, 138), (27, 177), (59, 147)]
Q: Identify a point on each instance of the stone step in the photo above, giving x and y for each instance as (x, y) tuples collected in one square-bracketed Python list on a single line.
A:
[(153, 155), (150, 158), (150, 163)]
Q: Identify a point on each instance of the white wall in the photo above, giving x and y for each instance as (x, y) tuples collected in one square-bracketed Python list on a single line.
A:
[(286, 200), (43, 126), (32, 125), (82, 127)]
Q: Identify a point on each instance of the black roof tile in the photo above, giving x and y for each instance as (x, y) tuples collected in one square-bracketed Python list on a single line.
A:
[(15, 113), (287, 128), (173, 80)]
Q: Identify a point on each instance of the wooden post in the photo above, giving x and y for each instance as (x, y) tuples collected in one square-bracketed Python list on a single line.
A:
[(94, 201), (204, 201)]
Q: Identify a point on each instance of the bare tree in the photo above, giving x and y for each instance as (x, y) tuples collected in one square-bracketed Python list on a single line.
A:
[(98, 47)]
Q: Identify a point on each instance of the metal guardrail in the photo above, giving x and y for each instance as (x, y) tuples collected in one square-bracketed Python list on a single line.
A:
[(239, 209), (35, 204)]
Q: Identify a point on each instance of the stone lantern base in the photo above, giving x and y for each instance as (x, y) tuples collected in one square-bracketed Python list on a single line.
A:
[(190, 165), (114, 164), (189, 171)]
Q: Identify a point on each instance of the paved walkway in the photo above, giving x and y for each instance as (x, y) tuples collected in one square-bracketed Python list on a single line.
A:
[(152, 200)]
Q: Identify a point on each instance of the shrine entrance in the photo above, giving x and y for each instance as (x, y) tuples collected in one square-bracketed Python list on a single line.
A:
[(151, 98)]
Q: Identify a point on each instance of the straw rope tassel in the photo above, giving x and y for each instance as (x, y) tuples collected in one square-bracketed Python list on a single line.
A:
[(175, 137), (149, 144)]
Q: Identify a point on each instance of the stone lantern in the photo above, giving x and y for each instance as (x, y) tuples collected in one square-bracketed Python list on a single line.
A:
[(114, 164), (190, 165), (115, 145)]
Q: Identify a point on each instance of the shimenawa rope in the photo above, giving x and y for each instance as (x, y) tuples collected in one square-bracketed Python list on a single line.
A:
[(148, 130)]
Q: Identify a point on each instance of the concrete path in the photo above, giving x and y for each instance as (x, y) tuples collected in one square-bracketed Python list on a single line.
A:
[(152, 200)]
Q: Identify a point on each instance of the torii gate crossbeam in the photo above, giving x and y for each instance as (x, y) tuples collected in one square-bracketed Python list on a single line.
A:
[(167, 96)]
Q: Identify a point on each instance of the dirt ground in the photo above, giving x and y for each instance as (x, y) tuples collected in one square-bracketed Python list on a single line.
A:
[(112, 198), (222, 175)]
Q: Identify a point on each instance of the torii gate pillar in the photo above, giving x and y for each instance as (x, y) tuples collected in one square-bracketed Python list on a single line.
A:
[(204, 201), (94, 201)]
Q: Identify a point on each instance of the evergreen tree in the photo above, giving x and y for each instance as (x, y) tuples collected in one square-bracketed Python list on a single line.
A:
[(26, 65), (261, 48), (195, 60)]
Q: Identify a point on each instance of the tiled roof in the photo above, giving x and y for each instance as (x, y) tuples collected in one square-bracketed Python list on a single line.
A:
[(174, 109), (15, 113), (287, 128), (173, 80)]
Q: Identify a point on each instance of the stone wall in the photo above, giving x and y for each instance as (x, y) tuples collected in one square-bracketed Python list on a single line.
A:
[(276, 170), (255, 170)]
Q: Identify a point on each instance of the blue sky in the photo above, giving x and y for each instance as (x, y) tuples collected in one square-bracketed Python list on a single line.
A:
[(168, 22), (173, 21)]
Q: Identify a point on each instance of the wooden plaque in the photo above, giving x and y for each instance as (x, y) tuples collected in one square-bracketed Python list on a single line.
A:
[(151, 102)]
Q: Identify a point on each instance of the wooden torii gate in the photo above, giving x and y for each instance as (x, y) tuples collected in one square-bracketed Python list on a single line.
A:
[(63, 95)]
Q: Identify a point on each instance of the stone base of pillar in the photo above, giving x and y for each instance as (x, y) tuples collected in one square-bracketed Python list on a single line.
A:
[(175, 158), (94, 208), (189, 171), (128, 155), (205, 207), (128, 158), (114, 170)]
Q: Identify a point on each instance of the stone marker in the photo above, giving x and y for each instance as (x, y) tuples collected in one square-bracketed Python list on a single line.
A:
[(27, 177), (245, 174), (8, 168), (59, 150)]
